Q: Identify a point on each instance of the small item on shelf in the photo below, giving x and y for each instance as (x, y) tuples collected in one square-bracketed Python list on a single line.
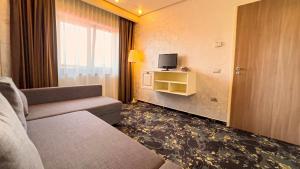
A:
[(185, 69)]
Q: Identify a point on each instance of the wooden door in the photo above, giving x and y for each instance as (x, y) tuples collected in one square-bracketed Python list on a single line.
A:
[(266, 85)]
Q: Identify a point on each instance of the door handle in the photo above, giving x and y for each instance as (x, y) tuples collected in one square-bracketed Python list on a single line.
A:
[(238, 70)]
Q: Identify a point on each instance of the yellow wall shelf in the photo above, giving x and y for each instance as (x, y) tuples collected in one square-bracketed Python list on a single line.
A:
[(175, 82)]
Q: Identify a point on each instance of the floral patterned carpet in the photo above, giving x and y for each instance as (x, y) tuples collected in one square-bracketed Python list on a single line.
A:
[(198, 143)]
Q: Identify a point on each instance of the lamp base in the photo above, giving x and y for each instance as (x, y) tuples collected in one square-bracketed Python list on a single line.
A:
[(134, 101)]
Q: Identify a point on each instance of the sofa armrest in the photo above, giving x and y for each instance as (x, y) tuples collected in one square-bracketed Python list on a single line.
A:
[(55, 94)]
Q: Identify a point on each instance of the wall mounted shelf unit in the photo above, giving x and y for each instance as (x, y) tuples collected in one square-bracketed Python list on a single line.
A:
[(175, 82)]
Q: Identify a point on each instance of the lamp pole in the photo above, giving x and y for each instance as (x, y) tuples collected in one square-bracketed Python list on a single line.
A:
[(134, 56)]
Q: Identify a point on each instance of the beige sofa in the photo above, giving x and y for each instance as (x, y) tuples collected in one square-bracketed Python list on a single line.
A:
[(69, 137)]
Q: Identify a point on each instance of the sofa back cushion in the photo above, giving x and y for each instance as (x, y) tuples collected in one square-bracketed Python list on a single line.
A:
[(16, 149), (56, 94), (11, 93)]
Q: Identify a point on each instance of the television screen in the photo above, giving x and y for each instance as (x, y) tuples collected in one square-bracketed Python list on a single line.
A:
[(167, 61)]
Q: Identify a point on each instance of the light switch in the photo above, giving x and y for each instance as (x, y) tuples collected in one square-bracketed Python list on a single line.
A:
[(217, 70), (219, 44)]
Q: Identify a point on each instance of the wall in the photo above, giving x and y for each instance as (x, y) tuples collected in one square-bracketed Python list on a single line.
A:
[(4, 39), (191, 29)]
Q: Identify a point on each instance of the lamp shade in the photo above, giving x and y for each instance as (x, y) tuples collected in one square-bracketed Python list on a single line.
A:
[(134, 56)]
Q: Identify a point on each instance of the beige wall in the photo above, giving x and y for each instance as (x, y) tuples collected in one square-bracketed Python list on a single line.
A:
[(4, 38), (191, 29)]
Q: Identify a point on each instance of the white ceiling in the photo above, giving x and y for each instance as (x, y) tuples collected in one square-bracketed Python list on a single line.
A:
[(146, 6)]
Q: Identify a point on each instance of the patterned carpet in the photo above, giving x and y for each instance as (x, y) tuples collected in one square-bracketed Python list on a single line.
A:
[(197, 143)]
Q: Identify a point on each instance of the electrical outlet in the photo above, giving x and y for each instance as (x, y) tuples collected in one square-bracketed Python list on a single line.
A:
[(213, 99)]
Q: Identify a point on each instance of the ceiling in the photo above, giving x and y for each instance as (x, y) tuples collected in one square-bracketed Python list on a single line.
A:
[(146, 6)]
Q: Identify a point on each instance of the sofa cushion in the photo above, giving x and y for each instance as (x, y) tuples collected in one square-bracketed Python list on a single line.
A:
[(16, 149), (96, 105), (24, 101), (112, 118), (57, 94), (11, 93), (81, 140)]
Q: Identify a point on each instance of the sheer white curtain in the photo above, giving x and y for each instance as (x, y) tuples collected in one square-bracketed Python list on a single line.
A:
[(88, 46)]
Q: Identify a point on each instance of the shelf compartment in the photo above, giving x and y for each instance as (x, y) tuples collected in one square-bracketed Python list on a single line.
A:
[(161, 86), (178, 88)]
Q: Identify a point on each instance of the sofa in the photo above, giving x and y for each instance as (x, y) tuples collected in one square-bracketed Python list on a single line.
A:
[(47, 102), (71, 136)]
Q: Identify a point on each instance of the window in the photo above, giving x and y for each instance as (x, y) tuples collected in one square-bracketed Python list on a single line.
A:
[(88, 46), (103, 49), (74, 45)]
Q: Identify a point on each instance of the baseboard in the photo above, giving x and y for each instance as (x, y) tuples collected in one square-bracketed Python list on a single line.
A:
[(189, 114)]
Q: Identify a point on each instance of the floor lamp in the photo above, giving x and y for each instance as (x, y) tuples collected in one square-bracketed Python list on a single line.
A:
[(134, 57)]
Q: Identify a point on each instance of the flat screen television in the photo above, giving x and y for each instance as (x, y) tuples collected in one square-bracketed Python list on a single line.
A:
[(167, 61)]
